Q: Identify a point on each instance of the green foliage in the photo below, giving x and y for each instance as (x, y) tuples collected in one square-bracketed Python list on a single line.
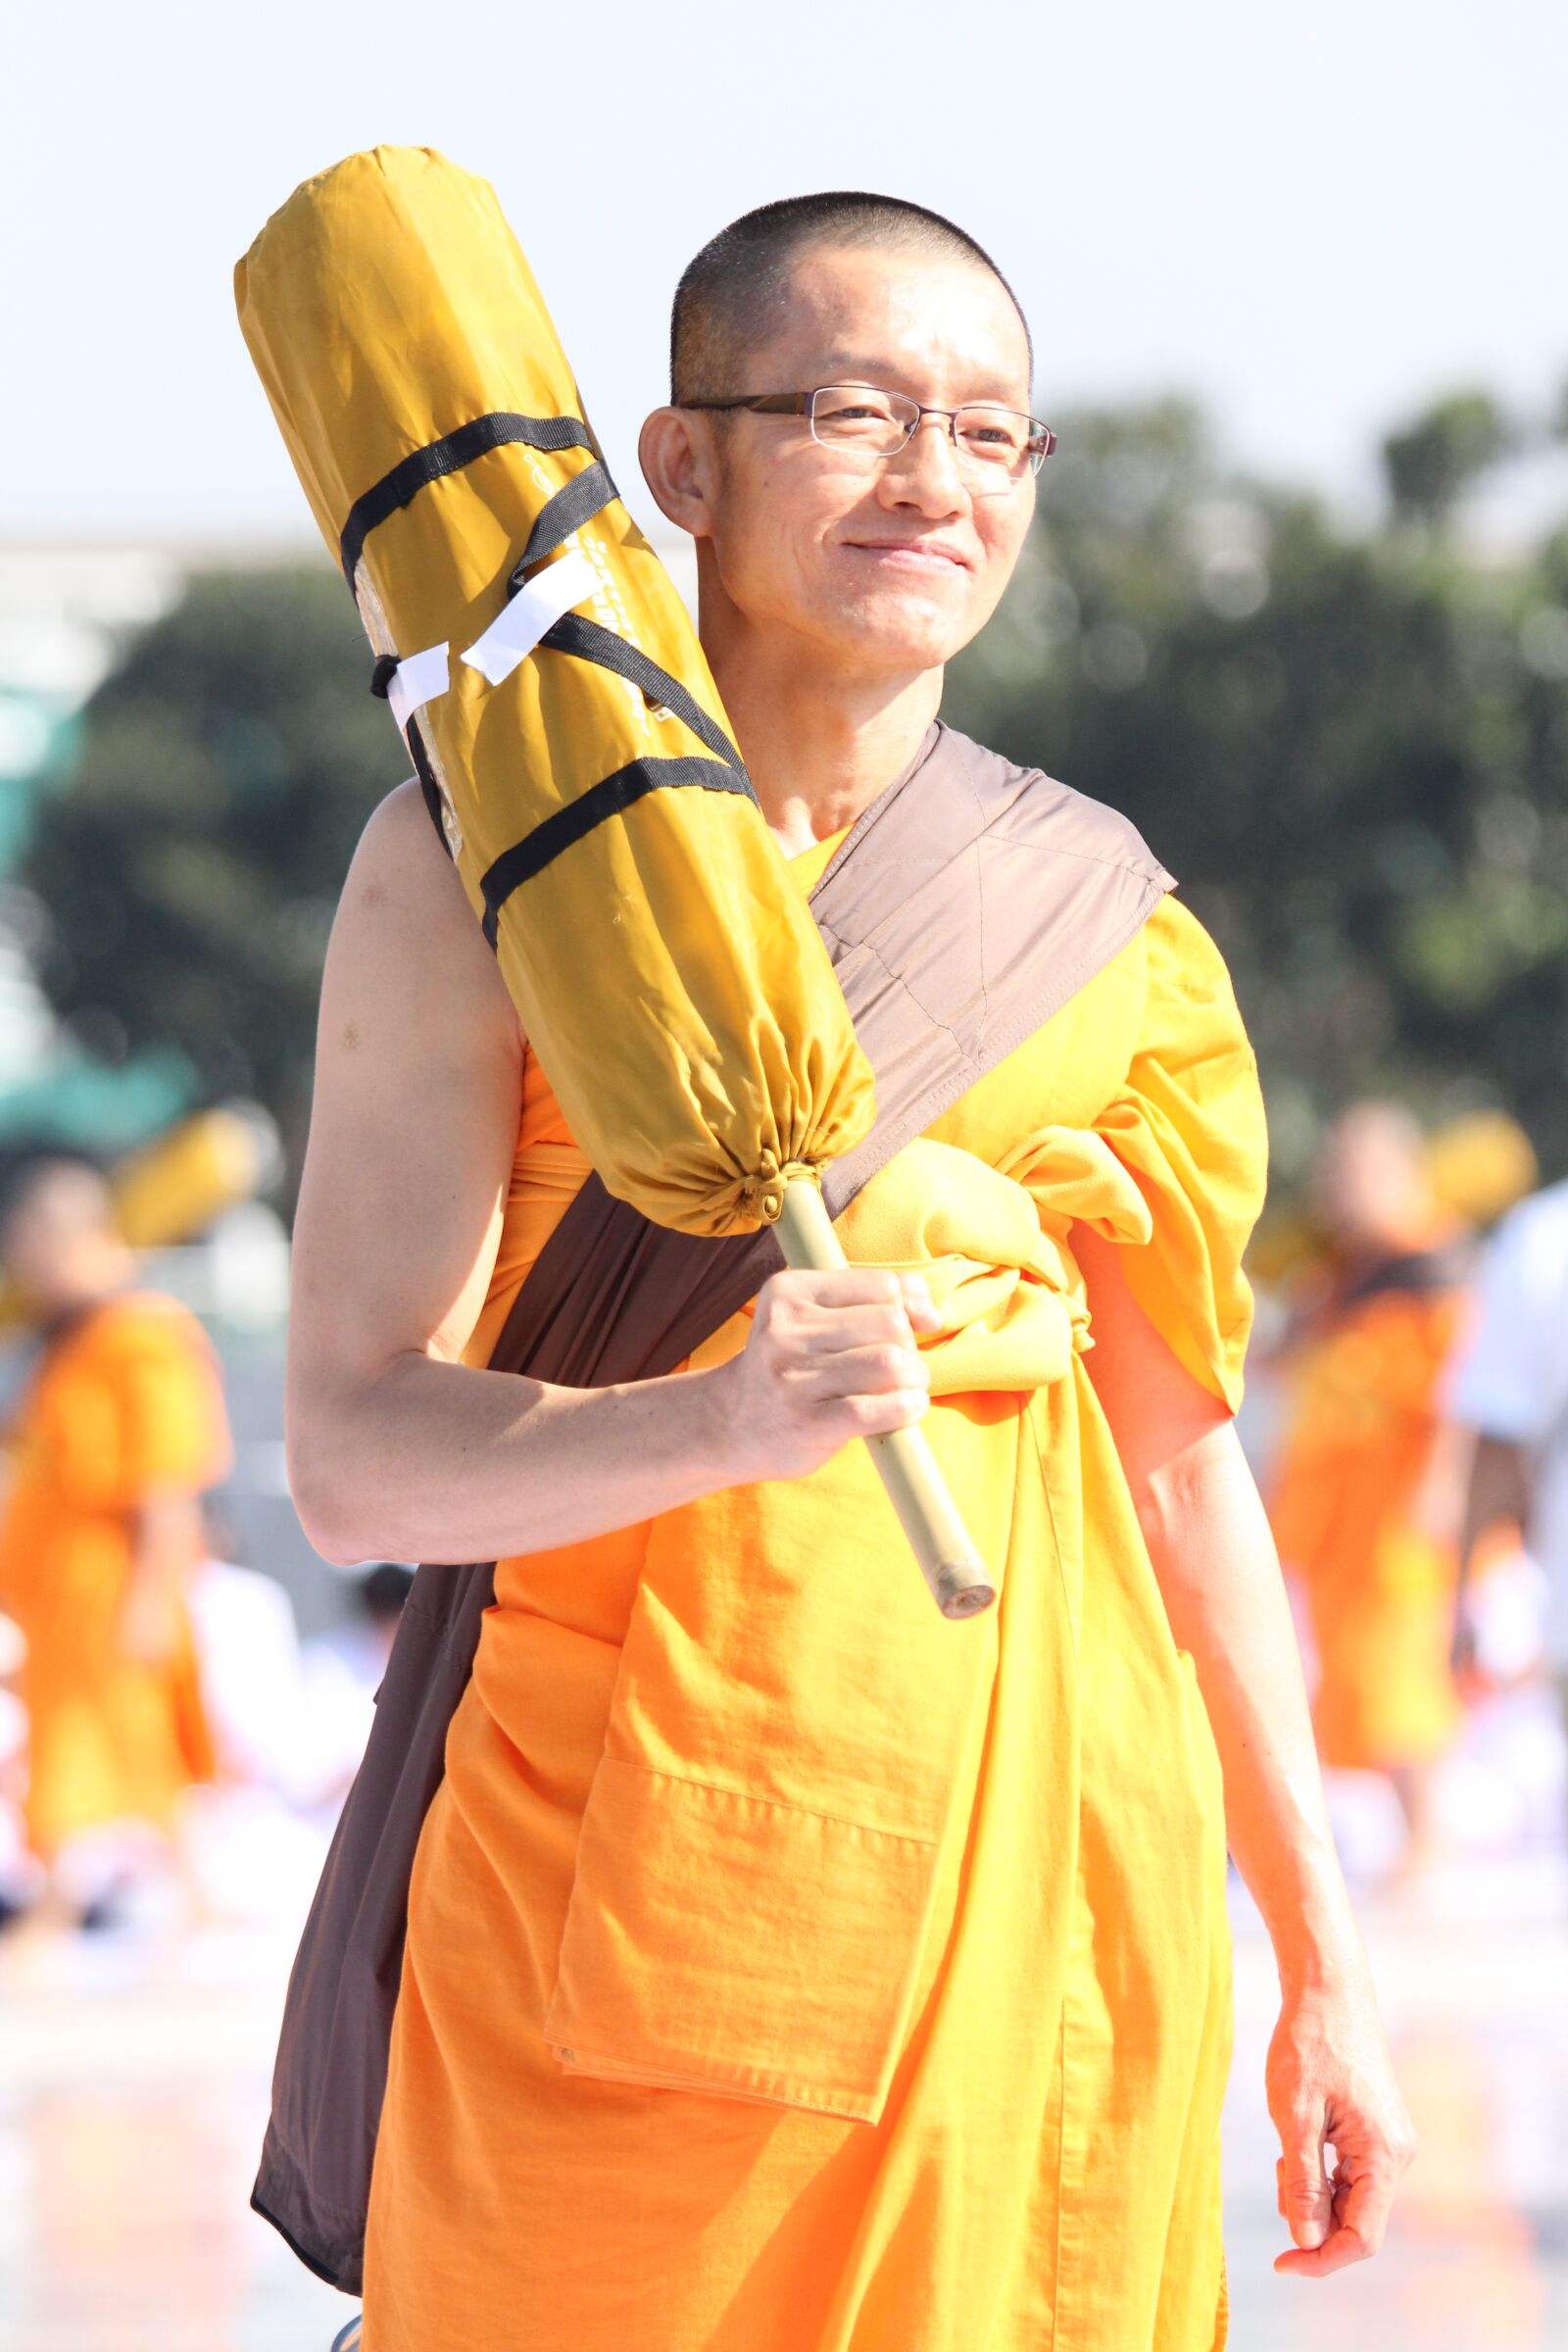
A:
[(1351, 751), (191, 870), (1435, 459)]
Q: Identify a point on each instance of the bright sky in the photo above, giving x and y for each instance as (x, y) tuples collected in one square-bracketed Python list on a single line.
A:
[(1314, 216)]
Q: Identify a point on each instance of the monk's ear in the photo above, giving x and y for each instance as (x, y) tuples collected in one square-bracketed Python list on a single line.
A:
[(680, 466)]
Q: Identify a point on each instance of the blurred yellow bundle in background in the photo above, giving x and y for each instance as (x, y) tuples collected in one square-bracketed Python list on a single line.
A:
[(1480, 1165), (177, 1184)]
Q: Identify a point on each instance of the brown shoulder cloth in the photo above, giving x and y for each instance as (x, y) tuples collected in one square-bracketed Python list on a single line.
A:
[(967, 904)]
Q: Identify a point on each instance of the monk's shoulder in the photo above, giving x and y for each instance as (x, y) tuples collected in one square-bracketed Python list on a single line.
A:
[(144, 1322), (1184, 961), (401, 864), (406, 938), (134, 1336), (1029, 806)]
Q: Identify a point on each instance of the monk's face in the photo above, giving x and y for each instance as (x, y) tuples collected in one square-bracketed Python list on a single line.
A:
[(1371, 1185), (58, 1245), (883, 566)]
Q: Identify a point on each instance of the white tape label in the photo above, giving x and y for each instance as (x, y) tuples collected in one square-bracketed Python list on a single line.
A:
[(416, 681), (535, 608)]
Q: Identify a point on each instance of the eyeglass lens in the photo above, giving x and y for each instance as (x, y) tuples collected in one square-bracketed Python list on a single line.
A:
[(993, 440)]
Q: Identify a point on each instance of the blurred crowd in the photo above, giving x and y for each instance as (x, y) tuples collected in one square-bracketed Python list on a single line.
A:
[(170, 1746), (162, 1727), (1414, 1356)]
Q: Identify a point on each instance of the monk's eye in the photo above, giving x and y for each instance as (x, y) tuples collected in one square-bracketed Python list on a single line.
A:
[(994, 434), (859, 416)]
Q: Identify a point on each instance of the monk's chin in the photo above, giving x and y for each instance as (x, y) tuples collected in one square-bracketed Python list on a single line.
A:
[(901, 633)]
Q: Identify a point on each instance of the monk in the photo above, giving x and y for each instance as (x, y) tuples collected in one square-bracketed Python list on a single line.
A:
[(1363, 1498), (119, 1431), (705, 1613)]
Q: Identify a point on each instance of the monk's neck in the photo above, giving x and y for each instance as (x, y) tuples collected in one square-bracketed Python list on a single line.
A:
[(72, 1311), (818, 745)]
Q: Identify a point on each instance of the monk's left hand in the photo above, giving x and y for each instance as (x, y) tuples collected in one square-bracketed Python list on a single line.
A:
[(1330, 2083)]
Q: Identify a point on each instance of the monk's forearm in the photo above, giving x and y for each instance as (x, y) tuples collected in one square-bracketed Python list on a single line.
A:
[(166, 1542), (440, 1461), (1219, 1573)]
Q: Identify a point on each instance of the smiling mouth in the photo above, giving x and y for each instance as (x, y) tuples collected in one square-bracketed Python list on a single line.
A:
[(911, 552)]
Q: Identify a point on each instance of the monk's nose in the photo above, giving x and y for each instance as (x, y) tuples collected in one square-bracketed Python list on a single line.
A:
[(926, 471)]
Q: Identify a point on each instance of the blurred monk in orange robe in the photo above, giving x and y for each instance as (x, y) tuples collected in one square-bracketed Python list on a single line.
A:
[(1360, 1499), (118, 1433)]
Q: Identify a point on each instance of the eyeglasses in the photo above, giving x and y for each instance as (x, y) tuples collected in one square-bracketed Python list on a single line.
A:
[(998, 446)]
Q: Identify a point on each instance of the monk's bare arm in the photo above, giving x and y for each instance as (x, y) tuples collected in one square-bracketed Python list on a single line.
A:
[(398, 1450), (165, 1543), (1330, 2077), (1214, 1554)]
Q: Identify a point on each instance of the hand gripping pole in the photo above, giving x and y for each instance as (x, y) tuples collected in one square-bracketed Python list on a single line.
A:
[(941, 1544)]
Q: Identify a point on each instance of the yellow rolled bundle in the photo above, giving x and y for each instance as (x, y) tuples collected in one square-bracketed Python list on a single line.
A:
[(390, 312), (564, 723)]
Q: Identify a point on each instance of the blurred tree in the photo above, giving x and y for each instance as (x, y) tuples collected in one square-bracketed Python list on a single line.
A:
[(191, 870), (1434, 460), (1351, 751)]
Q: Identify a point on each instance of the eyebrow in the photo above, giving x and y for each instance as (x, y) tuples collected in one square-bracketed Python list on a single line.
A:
[(851, 368)]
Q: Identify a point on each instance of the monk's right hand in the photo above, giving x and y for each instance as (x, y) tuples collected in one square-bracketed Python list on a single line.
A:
[(830, 1357)]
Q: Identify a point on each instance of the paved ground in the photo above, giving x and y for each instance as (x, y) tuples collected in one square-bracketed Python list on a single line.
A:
[(132, 2086), (1474, 1988)]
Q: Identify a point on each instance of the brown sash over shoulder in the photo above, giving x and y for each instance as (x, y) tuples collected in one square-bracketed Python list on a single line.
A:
[(969, 902)]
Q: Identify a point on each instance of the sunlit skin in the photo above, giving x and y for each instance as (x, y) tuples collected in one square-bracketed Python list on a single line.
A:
[(833, 589), (57, 1242), (832, 592), (1371, 1186)]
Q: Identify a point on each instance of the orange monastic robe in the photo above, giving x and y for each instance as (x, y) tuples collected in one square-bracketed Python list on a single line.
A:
[(790, 1970), (126, 1405), (1345, 1504)]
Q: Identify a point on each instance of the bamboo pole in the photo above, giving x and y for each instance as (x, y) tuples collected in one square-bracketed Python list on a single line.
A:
[(941, 1543)]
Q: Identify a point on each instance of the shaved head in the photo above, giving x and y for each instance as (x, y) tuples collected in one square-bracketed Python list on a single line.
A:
[(60, 1190), (59, 1242), (735, 294), (1372, 1183)]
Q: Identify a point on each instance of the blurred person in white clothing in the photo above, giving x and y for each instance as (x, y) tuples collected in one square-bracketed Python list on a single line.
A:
[(290, 1718), (21, 1875), (343, 1671), (1510, 1390)]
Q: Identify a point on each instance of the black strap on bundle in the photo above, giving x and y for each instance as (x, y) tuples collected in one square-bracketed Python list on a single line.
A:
[(499, 430), (430, 792), (608, 798), (586, 495), (573, 634), (725, 772), (576, 502)]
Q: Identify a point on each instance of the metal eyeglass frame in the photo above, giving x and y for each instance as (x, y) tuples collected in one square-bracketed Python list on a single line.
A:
[(1042, 440)]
